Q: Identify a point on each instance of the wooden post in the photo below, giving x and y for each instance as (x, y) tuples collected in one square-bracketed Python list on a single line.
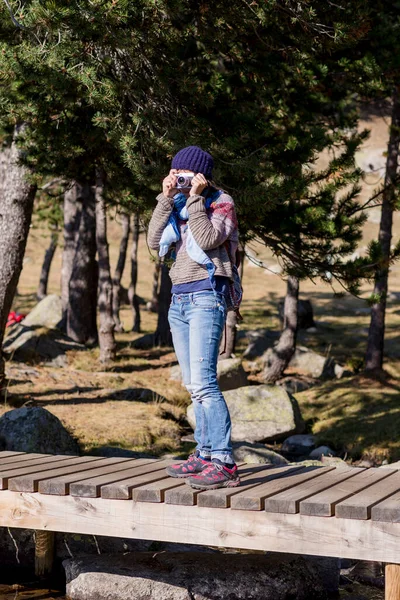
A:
[(392, 582), (44, 552)]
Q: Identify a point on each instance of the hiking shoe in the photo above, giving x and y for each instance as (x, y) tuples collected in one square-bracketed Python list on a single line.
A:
[(215, 476), (194, 464)]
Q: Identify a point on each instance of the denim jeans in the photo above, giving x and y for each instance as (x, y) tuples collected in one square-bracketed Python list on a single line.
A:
[(197, 321)]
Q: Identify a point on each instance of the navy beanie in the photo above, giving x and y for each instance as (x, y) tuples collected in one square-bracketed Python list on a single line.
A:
[(194, 159)]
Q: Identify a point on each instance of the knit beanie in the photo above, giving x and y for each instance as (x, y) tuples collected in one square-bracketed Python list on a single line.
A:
[(194, 159)]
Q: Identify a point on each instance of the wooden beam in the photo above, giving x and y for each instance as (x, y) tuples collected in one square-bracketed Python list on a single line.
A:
[(392, 582), (44, 552), (248, 530)]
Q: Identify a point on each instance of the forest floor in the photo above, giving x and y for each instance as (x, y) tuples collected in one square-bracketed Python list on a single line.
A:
[(358, 417)]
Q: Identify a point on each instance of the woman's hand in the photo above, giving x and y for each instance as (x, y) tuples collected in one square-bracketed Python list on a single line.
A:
[(169, 184), (199, 182)]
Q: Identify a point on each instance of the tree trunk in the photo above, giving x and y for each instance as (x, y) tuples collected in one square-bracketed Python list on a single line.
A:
[(105, 299), (72, 216), (48, 259), (228, 342), (81, 310), (162, 336), (119, 271), (16, 205), (133, 298), (153, 304), (376, 334), (284, 350)]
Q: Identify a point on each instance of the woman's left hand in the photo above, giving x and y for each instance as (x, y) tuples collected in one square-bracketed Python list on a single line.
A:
[(199, 182)]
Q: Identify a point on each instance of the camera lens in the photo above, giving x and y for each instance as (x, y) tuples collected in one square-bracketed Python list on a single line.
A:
[(181, 180)]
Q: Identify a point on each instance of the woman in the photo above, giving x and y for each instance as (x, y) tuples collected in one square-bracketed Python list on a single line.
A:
[(201, 220)]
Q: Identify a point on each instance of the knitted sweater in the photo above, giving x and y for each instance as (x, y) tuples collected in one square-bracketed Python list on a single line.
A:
[(210, 229)]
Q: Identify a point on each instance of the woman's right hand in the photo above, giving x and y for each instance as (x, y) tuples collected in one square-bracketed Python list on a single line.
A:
[(169, 184)]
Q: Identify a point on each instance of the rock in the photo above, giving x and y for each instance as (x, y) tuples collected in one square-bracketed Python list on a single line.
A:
[(47, 313), (321, 451), (299, 444), (333, 461), (304, 311), (34, 429), (313, 364), (256, 454), (295, 385), (260, 413), (328, 570), (342, 371), (144, 342), (134, 394), (230, 373), (192, 576), (259, 341), (394, 465), (38, 344)]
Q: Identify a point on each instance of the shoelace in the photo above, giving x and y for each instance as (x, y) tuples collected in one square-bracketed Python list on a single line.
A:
[(211, 467)]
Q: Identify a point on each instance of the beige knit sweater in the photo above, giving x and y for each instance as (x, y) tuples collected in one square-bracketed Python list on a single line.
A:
[(210, 228)]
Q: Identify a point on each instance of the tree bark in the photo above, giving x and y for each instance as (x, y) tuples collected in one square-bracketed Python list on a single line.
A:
[(72, 216), (228, 342), (133, 297), (162, 336), (16, 205), (105, 298), (120, 270), (81, 310), (153, 304), (48, 259), (376, 333), (284, 350)]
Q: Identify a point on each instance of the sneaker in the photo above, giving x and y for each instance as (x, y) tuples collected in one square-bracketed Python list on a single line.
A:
[(215, 476), (194, 464)]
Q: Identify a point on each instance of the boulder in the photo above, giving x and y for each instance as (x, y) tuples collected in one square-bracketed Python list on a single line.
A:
[(295, 385), (34, 429), (313, 364), (230, 372), (305, 314), (299, 444), (256, 454), (321, 451), (192, 576), (260, 413), (47, 313), (38, 344)]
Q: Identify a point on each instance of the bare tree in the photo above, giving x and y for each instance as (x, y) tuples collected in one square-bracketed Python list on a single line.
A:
[(133, 297), (153, 303), (48, 259), (125, 221), (105, 298), (280, 356), (82, 293), (376, 334), (17, 194)]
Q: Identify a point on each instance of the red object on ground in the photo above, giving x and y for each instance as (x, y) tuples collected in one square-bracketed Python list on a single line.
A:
[(14, 317)]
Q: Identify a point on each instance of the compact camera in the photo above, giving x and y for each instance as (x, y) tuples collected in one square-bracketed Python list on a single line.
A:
[(184, 180)]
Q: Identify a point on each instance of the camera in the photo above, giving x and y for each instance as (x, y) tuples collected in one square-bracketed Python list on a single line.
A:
[(184, 180)]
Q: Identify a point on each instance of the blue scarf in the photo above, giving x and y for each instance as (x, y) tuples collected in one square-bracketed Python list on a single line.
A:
[(172, 234)]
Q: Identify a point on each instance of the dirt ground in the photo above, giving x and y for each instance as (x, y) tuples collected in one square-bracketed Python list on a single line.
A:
[(360, 418)]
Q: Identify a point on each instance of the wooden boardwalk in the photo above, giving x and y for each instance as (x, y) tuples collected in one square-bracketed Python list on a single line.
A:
[(344, 511)]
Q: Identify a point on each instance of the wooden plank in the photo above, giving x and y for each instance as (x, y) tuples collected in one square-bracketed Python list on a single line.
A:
[(387, 510), (359, 506), (27, 467), (323, 503), (124, 491), (9, 453), (288, 501), (184, 495), (29, 482), (254, 498), (59, 486), (392, 582), (222, 498), (21, 459), (251, 530), (91, 488)]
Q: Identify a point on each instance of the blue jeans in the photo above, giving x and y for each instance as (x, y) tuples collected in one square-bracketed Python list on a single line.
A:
[(197, 321)]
